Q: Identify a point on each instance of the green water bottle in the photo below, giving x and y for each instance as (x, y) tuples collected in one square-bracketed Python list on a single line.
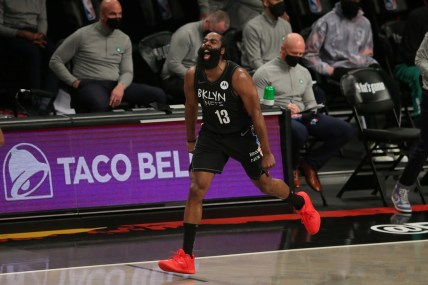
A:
[(269, 95)]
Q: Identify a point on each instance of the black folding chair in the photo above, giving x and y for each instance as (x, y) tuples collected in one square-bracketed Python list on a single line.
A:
[(371, 100)]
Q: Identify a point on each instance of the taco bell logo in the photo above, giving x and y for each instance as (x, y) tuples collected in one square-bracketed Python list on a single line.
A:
[(315, 6), (390, 5), (26, 174)]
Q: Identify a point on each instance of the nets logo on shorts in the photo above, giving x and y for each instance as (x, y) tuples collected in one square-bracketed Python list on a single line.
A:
[(26, 174), (315, 6)]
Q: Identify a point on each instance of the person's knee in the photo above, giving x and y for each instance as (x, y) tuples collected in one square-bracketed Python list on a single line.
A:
[(197, 191), (161, 96)]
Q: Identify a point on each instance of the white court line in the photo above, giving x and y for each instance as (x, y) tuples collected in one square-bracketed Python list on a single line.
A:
[(217, 256)]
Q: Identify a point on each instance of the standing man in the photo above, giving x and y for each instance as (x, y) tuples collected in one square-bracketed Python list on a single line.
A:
[(183, 52), (419, 155), (293, 90), (23, 29), (102, 68), (233, 126), (414, 31)]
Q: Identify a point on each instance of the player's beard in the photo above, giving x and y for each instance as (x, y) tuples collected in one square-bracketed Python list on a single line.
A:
[(212, 62)]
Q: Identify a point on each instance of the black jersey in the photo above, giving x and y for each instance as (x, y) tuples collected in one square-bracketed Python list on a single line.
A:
[(222, 109)]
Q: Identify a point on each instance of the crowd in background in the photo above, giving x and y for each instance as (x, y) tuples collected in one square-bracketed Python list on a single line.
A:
[(30, 39)]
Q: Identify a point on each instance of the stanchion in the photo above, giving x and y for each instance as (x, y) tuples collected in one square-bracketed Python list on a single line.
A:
[(285, 136)]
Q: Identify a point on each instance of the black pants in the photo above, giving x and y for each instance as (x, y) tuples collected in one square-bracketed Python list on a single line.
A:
[(37, 74), (94, 95)]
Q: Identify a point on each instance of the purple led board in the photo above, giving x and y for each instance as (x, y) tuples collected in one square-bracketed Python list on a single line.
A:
[(109, 166)]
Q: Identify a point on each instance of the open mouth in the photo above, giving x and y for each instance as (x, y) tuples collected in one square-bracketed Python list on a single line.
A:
[(207, 54)]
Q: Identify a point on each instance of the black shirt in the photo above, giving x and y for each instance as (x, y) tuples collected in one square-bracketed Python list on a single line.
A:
[(222, 109)]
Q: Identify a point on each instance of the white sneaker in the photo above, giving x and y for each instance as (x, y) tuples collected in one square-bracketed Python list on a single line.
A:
[(400, 198)]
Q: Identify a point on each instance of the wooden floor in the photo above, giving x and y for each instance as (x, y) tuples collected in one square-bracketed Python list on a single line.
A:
[(381, 263)]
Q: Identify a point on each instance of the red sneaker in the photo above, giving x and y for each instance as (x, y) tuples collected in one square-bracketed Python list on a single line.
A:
[(179, 263), (310, 217)]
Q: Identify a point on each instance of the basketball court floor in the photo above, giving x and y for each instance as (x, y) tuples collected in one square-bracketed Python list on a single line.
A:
[(360, 243)]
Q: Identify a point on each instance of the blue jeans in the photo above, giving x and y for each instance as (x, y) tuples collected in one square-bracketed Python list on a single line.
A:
[(332, 132), (419, 154)]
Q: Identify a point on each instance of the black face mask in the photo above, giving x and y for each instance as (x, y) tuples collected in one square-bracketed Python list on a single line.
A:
[(349, 8), (278, 9), (212, 62), (292, 60), (114, 23)]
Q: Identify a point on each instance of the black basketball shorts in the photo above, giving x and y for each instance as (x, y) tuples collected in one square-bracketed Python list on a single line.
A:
[(213, 150)]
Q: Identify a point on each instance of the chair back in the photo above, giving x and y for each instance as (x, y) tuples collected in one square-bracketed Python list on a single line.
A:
[(154, 49), (367, 92), (303, 13), (233, 41)]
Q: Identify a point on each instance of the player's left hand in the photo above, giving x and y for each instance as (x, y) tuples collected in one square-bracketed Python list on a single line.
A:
[(268, 161)]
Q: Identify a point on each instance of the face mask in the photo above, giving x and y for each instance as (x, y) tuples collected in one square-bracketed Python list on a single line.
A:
[(114, 23), (350, 9), (292, 60), (278, 9), (212, 62)]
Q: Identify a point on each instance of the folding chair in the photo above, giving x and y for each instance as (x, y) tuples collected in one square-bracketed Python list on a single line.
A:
[(154, 49), (370, 100)]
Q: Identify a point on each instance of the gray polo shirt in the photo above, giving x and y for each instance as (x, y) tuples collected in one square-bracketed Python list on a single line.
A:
[(261, 40), (292, 84), (21, 14), (183, 51), (421, 61), (95, 54)]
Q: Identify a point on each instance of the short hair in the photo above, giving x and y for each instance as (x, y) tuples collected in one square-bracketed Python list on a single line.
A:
[(219, 16)]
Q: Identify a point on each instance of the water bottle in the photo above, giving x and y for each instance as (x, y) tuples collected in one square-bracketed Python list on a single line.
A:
[(269, 95)]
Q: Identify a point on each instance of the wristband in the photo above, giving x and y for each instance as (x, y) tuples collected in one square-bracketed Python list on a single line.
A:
[(191, 141)]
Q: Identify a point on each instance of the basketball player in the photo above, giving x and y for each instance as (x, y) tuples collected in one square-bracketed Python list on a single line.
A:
[(233, 126)]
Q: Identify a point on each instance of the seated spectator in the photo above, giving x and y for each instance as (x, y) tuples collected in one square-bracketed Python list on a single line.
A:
[(262, 36), (293, 90), (102, 68), (406, 71), (339, 41), (183, 52), (239, 11), (23, 29)]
